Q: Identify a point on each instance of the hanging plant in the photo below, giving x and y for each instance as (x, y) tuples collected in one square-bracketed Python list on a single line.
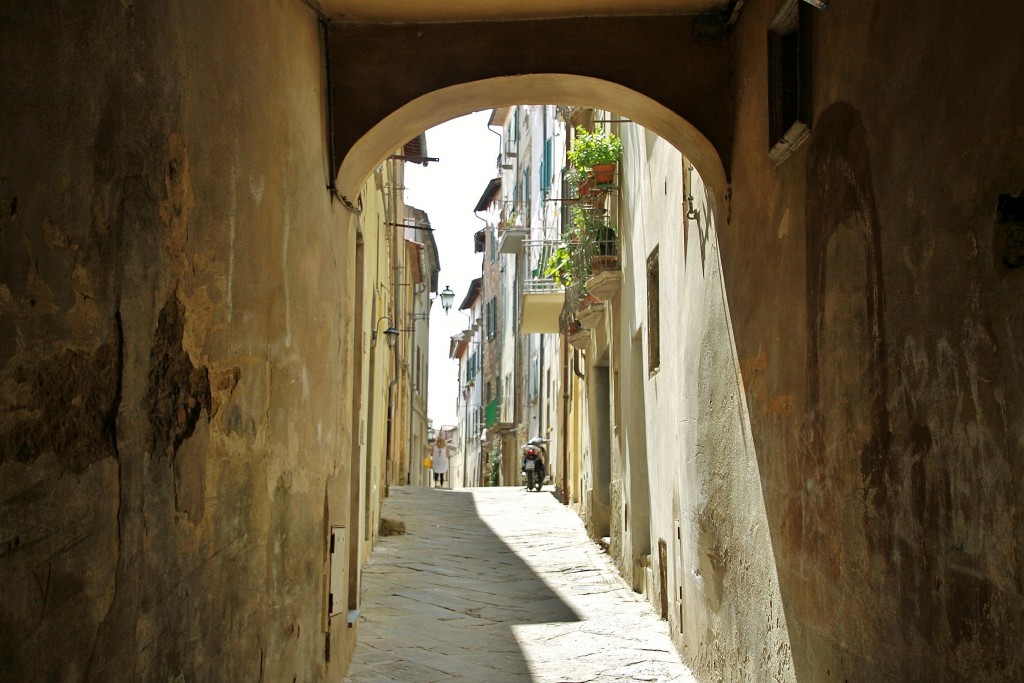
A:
[(588, 236), (559, 266), (593, 149)]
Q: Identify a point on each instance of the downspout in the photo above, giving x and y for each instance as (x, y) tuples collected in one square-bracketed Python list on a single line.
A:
[(412, 353), (576, 364), (389, 437), (542, 408), (412, 401), (332, 169), (566, 395), (395, 310)]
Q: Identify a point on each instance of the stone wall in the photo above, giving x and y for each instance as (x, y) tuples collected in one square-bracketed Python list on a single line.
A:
[(173, 326), (878, 326), (695, 513)]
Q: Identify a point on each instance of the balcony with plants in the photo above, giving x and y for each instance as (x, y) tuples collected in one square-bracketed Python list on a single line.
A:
[(590, 246), (542, 294), (560, 263)]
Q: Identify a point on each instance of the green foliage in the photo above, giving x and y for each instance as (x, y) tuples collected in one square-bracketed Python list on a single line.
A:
[(494, 460), (590, 149), (588, 234), (575, 178), (589, 225), (559, 266)]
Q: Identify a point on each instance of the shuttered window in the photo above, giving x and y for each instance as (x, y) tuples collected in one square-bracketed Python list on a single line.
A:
[(545, 167)]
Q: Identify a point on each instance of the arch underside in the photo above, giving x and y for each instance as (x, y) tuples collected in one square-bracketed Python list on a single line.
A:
[(653, 71)]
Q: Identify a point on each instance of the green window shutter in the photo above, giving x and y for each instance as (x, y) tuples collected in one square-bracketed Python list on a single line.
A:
[(545, 167)]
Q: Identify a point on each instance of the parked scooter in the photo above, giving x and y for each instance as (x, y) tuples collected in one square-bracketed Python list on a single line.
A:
[(533, 464)]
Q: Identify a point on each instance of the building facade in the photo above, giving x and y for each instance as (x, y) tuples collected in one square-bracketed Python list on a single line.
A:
[(194, 421)]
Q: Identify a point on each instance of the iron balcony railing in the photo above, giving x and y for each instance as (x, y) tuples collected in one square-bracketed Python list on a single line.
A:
[(539, 251)]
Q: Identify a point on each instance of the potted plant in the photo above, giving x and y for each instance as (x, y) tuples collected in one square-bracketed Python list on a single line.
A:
[(597, 151), (593, 228), (578, 179)]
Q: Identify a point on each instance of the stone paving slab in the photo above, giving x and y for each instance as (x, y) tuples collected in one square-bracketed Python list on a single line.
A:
[(500, 585)]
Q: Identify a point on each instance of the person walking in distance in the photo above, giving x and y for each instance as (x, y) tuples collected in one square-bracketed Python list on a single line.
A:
[(439, 461)]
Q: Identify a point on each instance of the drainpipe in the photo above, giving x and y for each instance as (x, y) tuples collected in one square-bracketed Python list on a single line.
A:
[(392, 213), (412, 353), (566, 395), (412, 401)]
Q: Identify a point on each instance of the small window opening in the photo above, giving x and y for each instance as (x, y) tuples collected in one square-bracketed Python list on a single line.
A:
[(789, 80), (1009, 231), (653, 315)]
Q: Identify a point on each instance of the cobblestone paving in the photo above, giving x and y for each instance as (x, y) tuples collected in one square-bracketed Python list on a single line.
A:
[(498, 584)]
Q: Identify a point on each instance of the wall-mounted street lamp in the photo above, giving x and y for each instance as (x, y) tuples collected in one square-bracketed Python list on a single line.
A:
[(390, 334), (447, 298)]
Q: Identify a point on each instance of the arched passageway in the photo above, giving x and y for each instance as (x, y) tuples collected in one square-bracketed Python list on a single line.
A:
[(654, 68), (645, 477), (435, 107), (176, 318)]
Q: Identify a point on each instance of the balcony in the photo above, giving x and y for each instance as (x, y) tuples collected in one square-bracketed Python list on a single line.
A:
[(543, 295), (510, 240)]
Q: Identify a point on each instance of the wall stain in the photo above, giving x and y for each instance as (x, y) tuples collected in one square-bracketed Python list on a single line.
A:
[(840, 194), (66, 405), (178, 391)]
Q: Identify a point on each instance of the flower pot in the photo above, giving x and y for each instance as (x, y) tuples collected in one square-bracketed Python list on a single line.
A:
[(602, 263), (604, 174)]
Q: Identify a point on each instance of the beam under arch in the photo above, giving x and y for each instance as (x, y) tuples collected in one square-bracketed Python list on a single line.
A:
[(391, 82), (443, 105)]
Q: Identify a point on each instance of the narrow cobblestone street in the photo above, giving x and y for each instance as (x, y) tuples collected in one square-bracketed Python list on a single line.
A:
[(499, 585)]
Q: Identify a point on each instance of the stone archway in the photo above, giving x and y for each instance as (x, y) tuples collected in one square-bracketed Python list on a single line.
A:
[(389, 82), (442, 105)]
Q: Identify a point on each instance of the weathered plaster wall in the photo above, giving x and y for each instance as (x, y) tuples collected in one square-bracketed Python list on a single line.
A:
[(374, 277), (173, 298), (879, 334), (712, 563)]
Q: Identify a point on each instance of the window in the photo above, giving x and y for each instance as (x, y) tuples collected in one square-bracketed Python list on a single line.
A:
[(1009, 231), (491, 317), (789, 80), (653, 316), (545, 167)]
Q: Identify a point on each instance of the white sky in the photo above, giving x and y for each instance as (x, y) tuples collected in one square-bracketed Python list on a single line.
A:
[(448, 190)]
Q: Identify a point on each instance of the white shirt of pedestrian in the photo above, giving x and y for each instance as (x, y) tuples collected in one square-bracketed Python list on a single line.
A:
[(439, 458)]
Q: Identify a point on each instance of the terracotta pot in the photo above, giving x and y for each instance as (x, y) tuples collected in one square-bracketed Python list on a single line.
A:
[(604, 174)]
